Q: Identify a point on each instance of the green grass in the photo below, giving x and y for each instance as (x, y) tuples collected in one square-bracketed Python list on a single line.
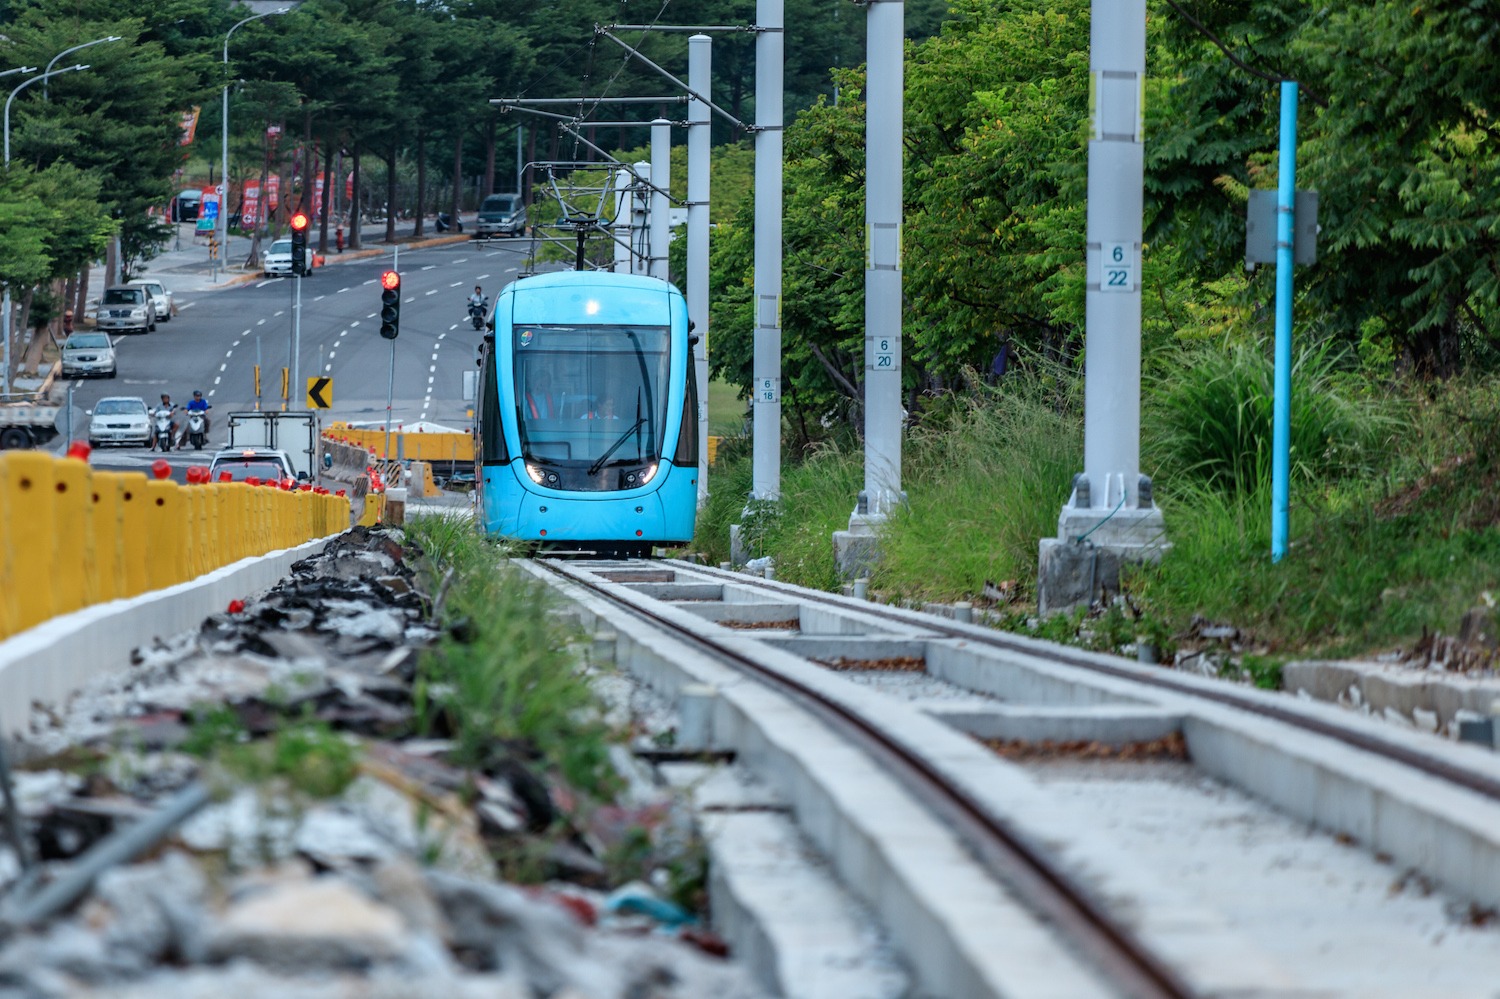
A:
[(1395, 507), (503, 680), (726, 410)]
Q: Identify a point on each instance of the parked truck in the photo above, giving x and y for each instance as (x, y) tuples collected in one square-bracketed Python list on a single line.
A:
[(27, 423), (298, 434)]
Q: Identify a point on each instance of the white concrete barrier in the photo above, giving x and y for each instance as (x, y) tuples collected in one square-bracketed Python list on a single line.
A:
[(51, 661)]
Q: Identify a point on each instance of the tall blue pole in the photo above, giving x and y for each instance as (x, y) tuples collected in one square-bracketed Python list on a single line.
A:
[(1281, 436)]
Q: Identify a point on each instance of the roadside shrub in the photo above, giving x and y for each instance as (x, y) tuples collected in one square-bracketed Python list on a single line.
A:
[(1209, 418)]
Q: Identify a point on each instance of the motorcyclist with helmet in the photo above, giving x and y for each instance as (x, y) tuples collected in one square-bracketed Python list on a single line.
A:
[(200, 405)]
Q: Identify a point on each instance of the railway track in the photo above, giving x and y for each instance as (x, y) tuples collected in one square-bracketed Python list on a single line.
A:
[(789, 680)]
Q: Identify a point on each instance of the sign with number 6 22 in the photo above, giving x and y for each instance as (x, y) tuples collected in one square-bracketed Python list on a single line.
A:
[(1117, 270)]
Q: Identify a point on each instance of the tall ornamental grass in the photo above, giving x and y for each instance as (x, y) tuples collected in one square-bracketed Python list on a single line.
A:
[(1208, 417)]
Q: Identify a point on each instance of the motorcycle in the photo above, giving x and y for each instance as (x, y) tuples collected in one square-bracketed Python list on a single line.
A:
[(476, 313), (196, 431), (161, 433)]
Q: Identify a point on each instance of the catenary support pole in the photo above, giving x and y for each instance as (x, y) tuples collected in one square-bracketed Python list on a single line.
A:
[(883, 173), (1281, 429), (1110, 518), (1112, 305), (770, 53), (661, 205), (700, 49)]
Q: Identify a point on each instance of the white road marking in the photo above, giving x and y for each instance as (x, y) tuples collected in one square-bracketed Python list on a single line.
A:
[(235, 344), (372, 315), (278, 312), (453, 327), (455, 284), (332, 354), (372, 280), (222, 367), (320, 298), (412, 299), (186, 305), (433, 368), (262, 284), (341, 291), (216, 381), (429, 267), (461, 260), (263, 322), (353, 324), (432, 292), (482, 277), (229, 353)]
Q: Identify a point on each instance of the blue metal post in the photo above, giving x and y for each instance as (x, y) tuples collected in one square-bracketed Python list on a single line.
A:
[(1281, 438)]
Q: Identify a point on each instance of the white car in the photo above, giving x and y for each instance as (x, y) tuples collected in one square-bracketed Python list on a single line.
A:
[(278, 259), (126, 309), (119, 419), (161, 297), (243, 463), (88, 354)]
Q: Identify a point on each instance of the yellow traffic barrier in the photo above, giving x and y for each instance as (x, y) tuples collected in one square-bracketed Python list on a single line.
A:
[(8, 574), (166, 539), (713, 447), (373, 511), (30, 524), (73, 536), (410, 446), (133, 502), (109, 536)]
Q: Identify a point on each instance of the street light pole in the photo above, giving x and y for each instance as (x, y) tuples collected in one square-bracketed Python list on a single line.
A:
[(224, 139), (5, 297), (53, 61)]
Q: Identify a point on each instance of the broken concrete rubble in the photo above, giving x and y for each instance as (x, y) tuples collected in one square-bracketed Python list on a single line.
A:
[(384, 888)]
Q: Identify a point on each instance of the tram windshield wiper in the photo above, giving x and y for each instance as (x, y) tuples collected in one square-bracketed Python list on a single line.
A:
[(603, 458)]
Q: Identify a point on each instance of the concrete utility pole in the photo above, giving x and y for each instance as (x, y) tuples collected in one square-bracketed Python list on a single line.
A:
[(661, 206), (700, 78), (770, 51), (854, 549), (1110, 517)]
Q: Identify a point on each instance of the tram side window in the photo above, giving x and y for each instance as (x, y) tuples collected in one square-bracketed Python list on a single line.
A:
[(493, 437), (686, 455)]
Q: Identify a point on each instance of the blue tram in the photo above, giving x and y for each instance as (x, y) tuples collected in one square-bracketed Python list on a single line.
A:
[(586, 439)]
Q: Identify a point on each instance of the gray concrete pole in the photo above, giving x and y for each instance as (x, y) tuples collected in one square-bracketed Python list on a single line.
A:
[(661, 205), (1112, 330), (1110, 519), (769, 70), (883, 171), (700, 50), (624, 217)]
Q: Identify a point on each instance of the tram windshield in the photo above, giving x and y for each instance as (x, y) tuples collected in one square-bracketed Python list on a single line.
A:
[(591, 402)]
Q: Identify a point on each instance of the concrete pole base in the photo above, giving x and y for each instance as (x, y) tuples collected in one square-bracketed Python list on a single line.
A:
[(857, 550), (1085, 559)]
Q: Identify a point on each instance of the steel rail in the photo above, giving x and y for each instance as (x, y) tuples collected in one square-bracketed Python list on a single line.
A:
[(1483, 784), (1110, 949)]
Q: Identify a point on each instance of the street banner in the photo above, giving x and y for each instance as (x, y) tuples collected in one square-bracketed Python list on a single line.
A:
[(250, 214), (273, 190), (208, 208), (318, 196), (189, 126), (349, 187)]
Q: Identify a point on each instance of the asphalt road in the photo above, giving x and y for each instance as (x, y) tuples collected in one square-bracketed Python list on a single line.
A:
[(218, 337)]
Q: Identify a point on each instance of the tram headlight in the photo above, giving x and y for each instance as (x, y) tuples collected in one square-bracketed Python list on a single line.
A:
[(537, 475), (647, 474)]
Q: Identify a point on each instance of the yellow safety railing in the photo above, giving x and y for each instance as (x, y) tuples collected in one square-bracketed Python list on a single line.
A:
[(71, 537), (407, 445)]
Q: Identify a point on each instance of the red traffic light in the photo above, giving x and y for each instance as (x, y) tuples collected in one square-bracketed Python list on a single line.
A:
[(299, 222), (390, 280)]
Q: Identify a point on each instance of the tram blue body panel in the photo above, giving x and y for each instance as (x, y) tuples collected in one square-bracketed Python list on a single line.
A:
[(533, 313)]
